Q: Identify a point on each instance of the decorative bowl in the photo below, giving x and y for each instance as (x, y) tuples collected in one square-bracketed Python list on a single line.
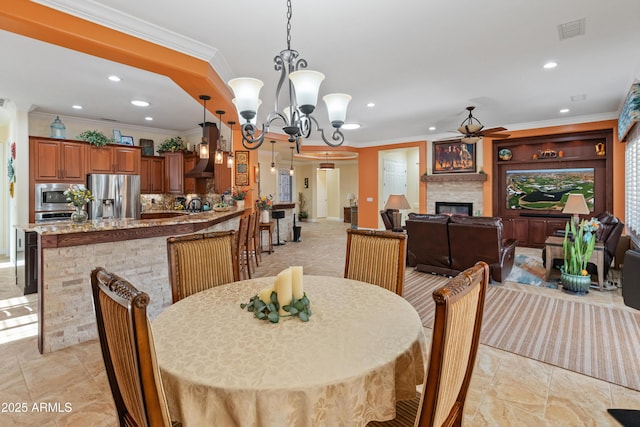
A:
[(505, 154), (221, 209)]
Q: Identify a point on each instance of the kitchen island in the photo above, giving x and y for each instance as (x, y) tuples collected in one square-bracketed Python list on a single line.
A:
[(133, 249)]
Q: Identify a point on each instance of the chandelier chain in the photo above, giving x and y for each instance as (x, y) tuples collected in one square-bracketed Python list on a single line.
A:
[(288, 24)]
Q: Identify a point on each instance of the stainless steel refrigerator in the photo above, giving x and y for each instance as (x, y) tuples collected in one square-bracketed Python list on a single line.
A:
[(115, 196)]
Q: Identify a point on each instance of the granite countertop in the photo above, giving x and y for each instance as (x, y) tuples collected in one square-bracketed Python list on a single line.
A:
[(66, 227)]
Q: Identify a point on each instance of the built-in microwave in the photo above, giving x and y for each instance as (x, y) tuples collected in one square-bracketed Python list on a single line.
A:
[(50, 197)]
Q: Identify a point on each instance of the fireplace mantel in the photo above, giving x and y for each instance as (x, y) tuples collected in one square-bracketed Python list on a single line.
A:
[(454, 177)]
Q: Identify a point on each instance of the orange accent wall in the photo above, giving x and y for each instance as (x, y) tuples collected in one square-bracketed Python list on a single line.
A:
[(618, 159), (368, 180), (194, 76)]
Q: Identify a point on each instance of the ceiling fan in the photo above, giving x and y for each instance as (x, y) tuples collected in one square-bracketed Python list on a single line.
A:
[(472, 130)]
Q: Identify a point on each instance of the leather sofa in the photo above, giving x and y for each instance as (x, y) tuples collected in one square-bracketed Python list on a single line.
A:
[(447, 245)]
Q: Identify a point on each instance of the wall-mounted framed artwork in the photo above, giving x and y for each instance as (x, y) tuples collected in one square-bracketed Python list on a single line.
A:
[(116, 136), (242, 168), (454, 157)]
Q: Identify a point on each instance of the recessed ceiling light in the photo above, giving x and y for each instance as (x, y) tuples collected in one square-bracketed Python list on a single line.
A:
[(77, 107), (564, 110), (371, 104), (432, 128), (148, 118), (350, 126), (550, 64), (139, 103), (114, 78)]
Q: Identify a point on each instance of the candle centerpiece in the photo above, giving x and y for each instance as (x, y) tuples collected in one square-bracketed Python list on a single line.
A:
[(285, 298)]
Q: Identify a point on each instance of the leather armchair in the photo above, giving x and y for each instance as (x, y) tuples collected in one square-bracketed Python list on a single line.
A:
[(473, 239), (428, 243)]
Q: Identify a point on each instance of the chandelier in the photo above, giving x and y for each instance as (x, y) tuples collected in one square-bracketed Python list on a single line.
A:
[(301, 89)]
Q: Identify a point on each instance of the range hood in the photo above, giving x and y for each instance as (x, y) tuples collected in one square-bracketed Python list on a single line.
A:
[(204, 167)]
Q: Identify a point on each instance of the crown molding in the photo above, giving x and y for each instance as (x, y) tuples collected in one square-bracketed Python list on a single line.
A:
[(92, 11)]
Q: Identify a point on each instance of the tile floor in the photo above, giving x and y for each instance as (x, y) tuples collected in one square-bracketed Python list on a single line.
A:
[(69, 387)]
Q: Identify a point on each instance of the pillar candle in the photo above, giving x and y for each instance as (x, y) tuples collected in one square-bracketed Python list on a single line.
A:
[(265, 294), (283, 288), (297, 288)]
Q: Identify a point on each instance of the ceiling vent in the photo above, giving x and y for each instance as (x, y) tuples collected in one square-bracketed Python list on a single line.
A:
[(571, 29)]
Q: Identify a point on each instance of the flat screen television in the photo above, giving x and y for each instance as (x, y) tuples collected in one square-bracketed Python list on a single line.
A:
[(548, 189)]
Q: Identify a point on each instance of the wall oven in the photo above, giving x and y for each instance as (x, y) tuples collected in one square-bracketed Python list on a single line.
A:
[(50, 203)]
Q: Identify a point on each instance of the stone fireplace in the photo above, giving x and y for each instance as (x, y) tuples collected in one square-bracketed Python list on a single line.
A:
[(455, 189)]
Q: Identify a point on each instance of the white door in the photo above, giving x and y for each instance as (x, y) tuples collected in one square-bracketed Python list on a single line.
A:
[(321, 194), (394, 179)]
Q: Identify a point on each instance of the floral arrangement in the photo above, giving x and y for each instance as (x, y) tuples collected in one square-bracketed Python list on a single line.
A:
[(264, 203), (78, 195), (578, 249), (238, 194)]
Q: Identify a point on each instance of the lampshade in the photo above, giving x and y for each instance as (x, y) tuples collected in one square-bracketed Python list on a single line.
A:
[(337, 107), (397, 201), (307, 85), (576, 204), (247, 92)]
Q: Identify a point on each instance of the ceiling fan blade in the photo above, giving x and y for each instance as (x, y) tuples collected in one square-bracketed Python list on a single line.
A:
[(498, 135), (492, 130)]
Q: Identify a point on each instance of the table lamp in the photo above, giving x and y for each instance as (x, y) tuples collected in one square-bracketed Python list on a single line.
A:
[(576, 205), (397, 202)]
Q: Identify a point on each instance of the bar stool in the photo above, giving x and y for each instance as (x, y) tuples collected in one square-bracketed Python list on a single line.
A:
[(278, 215)]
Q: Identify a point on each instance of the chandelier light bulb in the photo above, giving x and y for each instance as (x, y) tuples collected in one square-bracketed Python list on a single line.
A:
[(247, 93), (337, 108), (307, 85)]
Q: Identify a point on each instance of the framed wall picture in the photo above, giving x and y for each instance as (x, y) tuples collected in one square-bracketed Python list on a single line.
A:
[(126, 140), (242, 168), (116, 136), (454, 157), (147, 146)]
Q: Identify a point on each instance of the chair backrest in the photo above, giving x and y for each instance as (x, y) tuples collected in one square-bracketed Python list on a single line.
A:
[(128, 351), (454, 345), (376, 257), (201, 261), (251, 228), (386, 220)]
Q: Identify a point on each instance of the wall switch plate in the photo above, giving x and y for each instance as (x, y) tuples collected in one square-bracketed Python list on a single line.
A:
[(369, 199)]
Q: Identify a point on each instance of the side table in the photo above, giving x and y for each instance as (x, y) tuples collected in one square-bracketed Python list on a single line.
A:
[(267, 226)]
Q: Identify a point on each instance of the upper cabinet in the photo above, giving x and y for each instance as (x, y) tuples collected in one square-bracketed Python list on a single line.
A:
[(120, 159), (54, 160), (176, 164), (152, 175)]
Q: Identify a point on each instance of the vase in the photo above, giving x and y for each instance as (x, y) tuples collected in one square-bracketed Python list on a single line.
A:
[(264, 216), (576, 284), (80, 215), (240, 204)]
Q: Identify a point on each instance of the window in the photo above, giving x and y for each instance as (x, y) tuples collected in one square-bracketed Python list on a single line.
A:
[(285, 186), (632, 185)]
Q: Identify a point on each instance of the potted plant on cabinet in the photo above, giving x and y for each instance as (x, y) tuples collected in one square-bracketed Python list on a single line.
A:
[(172, 145), (95, 137), (578, 246)]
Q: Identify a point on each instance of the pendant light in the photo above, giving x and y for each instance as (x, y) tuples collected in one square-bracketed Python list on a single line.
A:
[(219, 154), (230, 156), (273, 163), (204, 144), (291, 168)]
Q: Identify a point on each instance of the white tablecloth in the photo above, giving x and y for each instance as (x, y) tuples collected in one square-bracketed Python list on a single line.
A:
[(362, 350)]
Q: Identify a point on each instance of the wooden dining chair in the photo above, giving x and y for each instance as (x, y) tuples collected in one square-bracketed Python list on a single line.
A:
[(376, 257), (249, 247), (201, 261), (241, 244), (454, 346), (128, 351)]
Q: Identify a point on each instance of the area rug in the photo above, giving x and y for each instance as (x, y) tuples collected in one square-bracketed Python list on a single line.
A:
[(528, 270), (593, 340)]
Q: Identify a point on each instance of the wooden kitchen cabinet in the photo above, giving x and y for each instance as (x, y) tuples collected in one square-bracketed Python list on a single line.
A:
[(175, 165), (114, 159), (55, 160), (151, 175)]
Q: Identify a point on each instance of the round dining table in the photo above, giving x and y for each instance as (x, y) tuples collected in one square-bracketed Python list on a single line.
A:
[(361, 351)]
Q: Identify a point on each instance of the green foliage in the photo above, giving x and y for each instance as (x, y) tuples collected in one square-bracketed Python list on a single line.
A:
[(302, 202), (298, 307), (95, 137), (172, 144)]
